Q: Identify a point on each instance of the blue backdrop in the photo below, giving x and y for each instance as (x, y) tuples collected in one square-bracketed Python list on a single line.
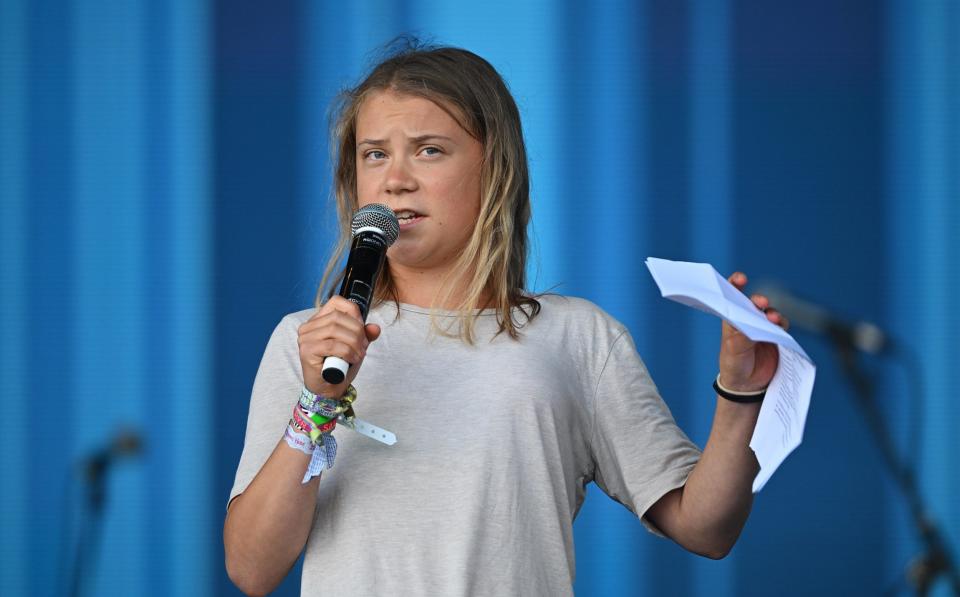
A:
[(164, 182)]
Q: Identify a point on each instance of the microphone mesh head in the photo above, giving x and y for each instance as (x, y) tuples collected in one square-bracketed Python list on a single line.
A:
[(379, 216)]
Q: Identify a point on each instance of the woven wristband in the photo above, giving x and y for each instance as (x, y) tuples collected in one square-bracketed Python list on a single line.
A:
[(327, 407), (317, 416), (318, 442), (735, 396), (318, 404), (297, 440)]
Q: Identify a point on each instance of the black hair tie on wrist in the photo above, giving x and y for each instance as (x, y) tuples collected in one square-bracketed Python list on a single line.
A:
[(741, 397)]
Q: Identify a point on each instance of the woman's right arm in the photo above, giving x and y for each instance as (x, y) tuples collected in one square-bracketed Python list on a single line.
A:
[(268, 524)]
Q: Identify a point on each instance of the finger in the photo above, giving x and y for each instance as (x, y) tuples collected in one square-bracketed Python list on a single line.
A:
[(339, 331), (323, 310), (373, 331), (339, 304), (761, 301), (738, 279), (316, 352), (778, 318), (337, 326), (332, 319), (346, 306)]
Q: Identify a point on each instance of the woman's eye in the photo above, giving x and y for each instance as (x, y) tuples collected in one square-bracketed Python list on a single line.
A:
[(375, 154), (432, 151)]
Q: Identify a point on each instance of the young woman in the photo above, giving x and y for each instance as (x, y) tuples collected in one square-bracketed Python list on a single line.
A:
[(505, 405)]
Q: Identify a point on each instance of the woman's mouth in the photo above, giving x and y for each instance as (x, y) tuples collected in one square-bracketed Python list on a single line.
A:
[(406, 217)]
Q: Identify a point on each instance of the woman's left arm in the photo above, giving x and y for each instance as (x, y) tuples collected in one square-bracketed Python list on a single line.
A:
[(707, 514)]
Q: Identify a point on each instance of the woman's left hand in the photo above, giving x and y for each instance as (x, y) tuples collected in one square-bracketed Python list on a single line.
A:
[(745, 365)]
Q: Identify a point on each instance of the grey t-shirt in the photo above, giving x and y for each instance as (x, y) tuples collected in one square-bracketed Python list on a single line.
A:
[(496, 443)]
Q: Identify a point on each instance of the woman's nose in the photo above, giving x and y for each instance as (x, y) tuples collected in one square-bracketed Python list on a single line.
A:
[(399, 179)]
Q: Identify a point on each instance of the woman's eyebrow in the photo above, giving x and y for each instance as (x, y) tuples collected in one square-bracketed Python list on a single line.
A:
[(413, 140), (429, 137)]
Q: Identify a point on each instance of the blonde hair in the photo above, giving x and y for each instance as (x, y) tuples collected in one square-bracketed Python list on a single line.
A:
[(473, 93)]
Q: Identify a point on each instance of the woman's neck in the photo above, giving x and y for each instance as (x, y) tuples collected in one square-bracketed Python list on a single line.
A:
[(422, 288)]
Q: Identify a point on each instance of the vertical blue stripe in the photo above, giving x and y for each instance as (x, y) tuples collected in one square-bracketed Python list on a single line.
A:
[(902, 161), (710, 134), (935, 231), (13, 315), (49, 283), (322, 81), (939, 100), (952, 223), (710, 226), (156, 297), (948, 495), (108, 259), (924, 160), (612, 155), (598, 201), (193, 531)]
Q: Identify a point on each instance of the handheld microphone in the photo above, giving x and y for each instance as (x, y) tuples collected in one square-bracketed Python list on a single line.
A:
[(862, 335), (375, 228)]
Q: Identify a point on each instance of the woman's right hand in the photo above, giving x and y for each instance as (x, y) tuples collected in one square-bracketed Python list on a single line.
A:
[(335, 330)]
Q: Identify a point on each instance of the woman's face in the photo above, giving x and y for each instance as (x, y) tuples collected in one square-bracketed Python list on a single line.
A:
[(415, 158)]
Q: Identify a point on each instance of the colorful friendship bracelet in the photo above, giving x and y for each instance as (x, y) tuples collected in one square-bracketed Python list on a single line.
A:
[(315, 417), (298, 441), (312, 425), (328, 407), (318, 404), (298, 428), (310, 428), (322, 450)]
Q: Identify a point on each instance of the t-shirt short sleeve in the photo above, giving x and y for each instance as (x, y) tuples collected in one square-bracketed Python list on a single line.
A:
[(275, 390), (639, 452)]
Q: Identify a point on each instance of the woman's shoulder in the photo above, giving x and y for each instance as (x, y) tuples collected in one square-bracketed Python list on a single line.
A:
[(576, 311)]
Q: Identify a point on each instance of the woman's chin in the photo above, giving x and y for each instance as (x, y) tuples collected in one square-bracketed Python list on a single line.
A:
[(409, 256)]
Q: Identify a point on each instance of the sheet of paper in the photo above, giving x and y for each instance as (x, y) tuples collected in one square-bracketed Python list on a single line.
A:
[(779, 429)]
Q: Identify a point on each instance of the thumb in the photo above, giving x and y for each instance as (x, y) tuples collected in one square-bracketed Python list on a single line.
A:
[(372, 330), (734, 341)]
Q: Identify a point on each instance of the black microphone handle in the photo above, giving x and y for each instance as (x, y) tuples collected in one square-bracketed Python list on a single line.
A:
[(367, 252)]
